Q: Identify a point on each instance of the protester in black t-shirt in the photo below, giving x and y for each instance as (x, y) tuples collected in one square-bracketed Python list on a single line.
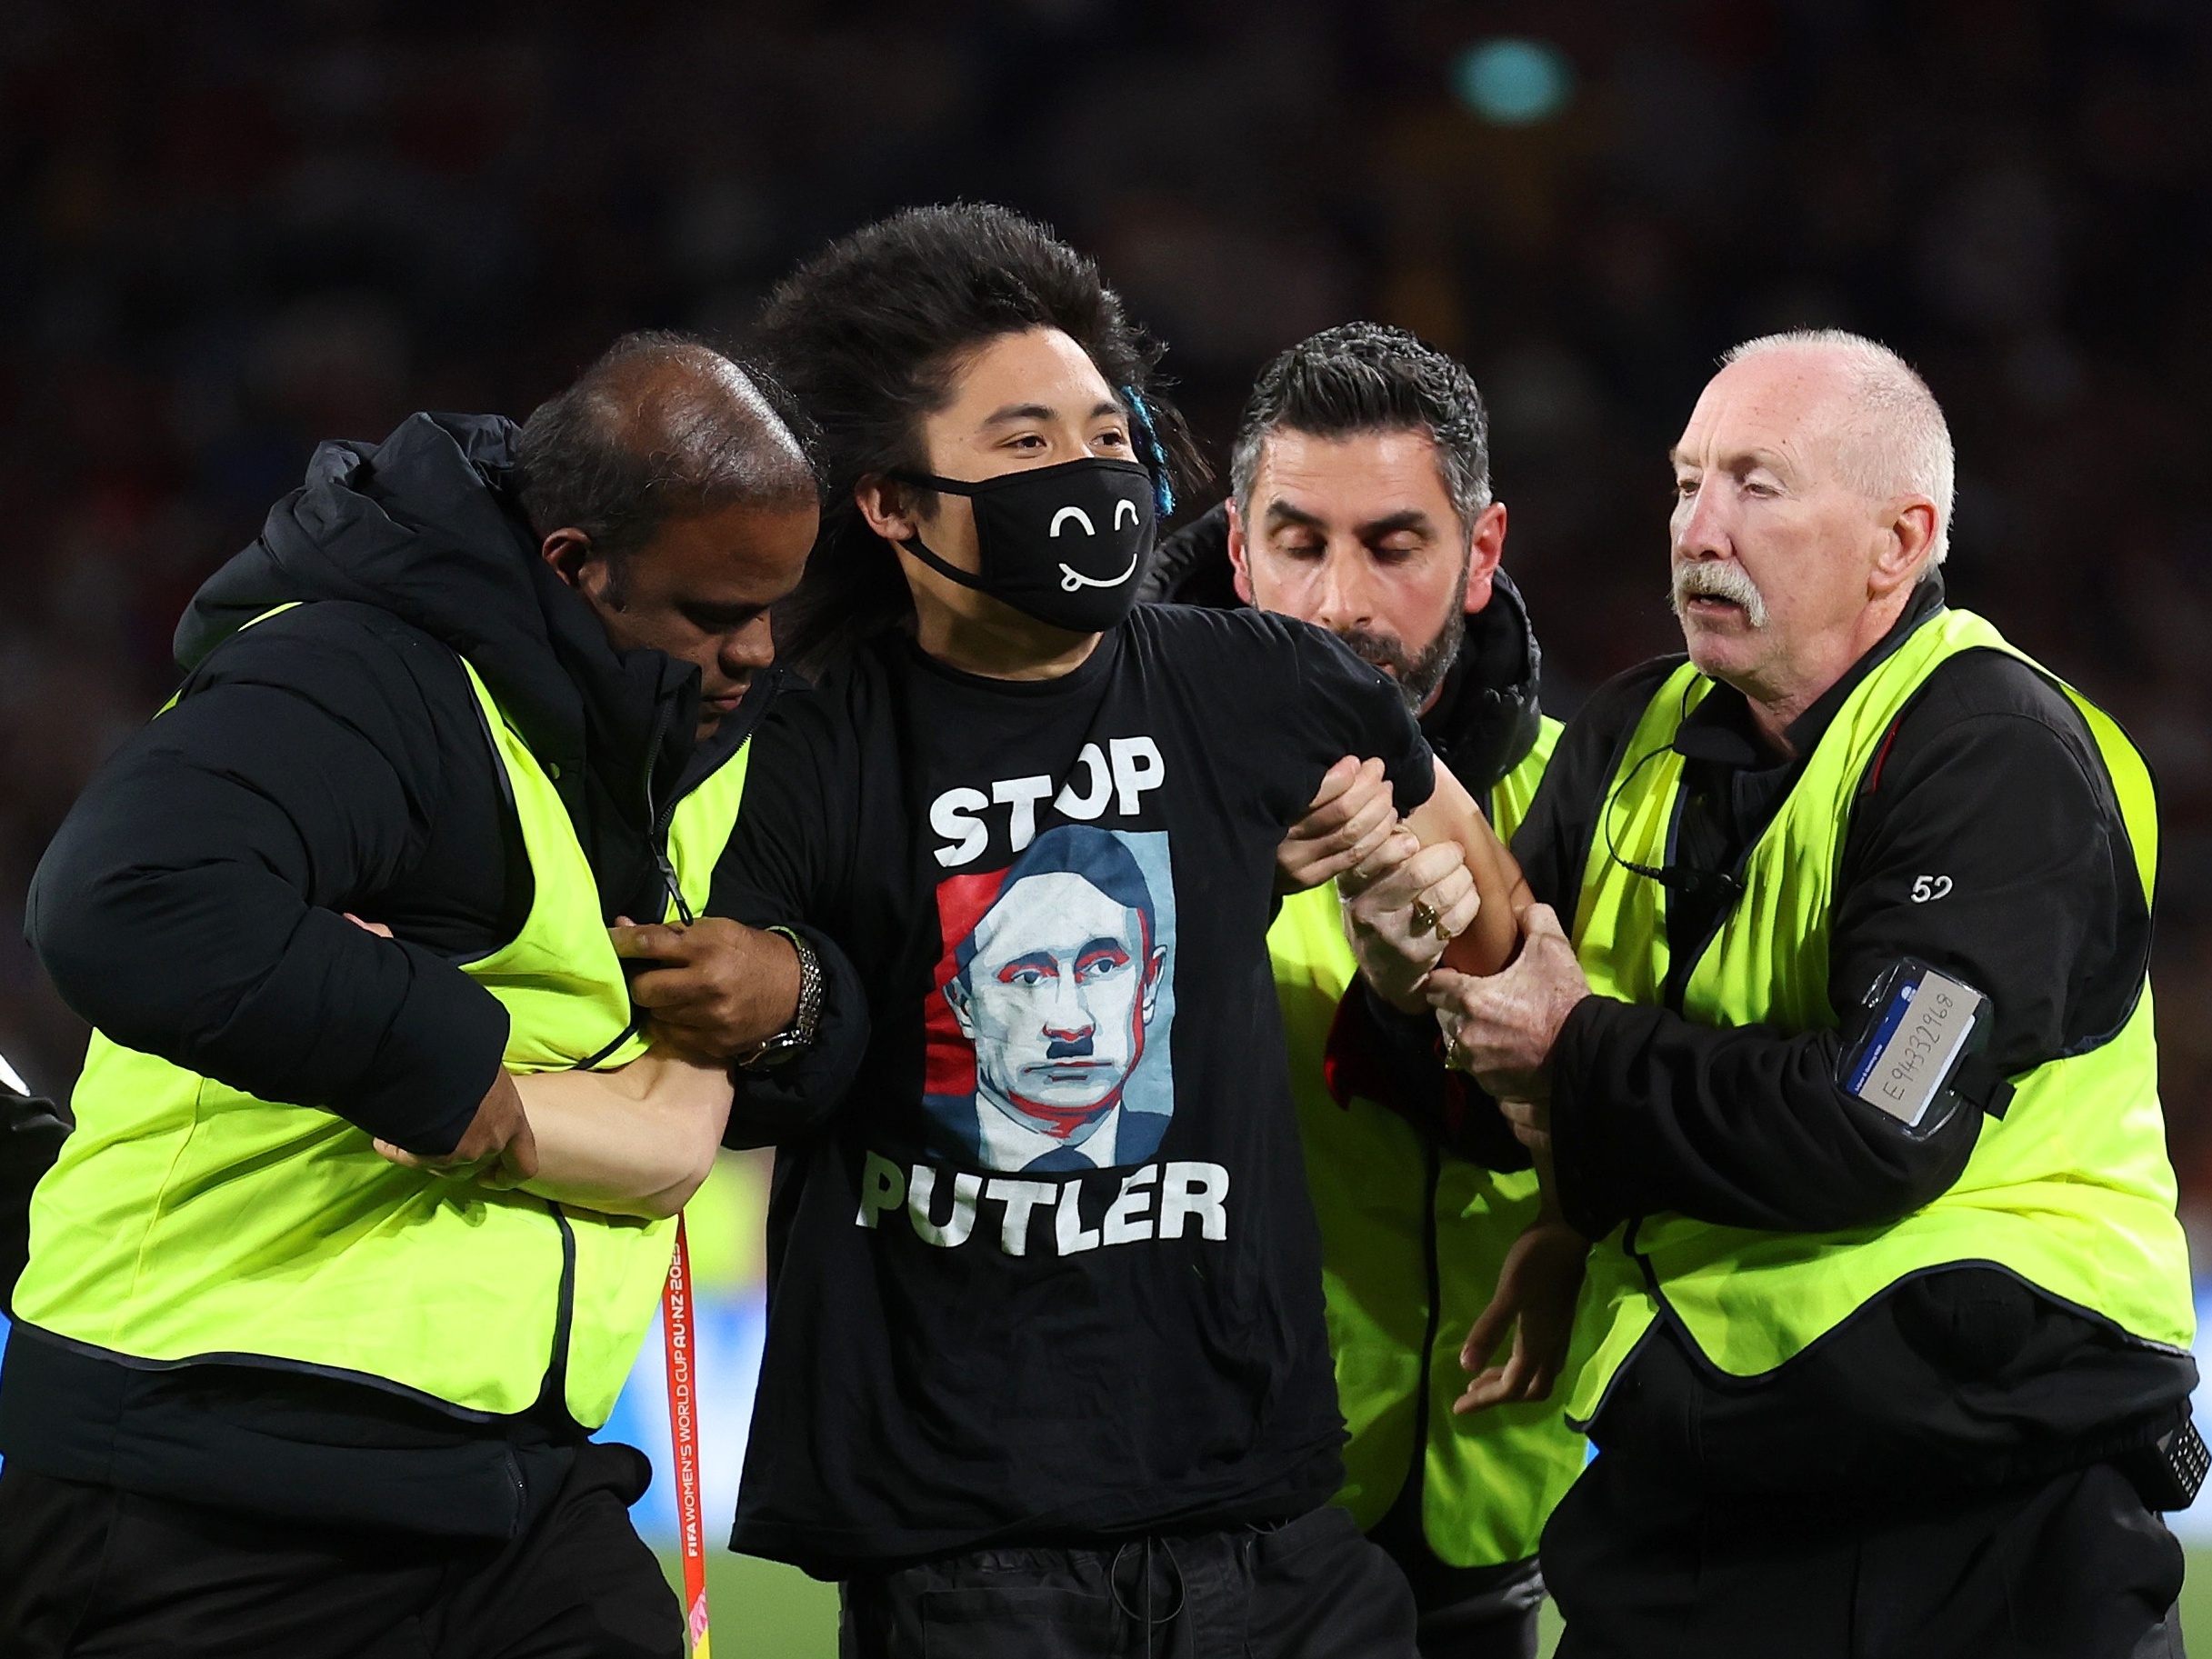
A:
[(1045, 1350)]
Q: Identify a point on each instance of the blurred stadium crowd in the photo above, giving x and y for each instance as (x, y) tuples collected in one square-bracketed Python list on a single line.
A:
[(226, 232)]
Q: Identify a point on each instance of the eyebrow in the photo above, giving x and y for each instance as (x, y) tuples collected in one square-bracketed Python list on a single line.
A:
[(1044, 412), (1389, 523), (1742, 459), (1405, 518)]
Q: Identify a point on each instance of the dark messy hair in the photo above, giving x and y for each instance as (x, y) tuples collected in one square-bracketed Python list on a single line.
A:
[(661, 427), (869, 334), (1361, 378)]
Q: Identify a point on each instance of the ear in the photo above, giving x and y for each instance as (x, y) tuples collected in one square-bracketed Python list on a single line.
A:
[(1485, 548), (577, 563), (569, 552), (1240, 556), (1902, 553), (887, 507)]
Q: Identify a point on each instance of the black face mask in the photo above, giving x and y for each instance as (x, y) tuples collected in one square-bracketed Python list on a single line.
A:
[(1066, 544)]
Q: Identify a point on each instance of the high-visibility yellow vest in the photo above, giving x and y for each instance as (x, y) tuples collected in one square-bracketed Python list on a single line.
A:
[(186, 1220), (1388, 1203), (2071, 1190)]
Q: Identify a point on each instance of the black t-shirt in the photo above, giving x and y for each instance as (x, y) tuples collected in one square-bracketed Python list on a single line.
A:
[(1050, 1272)]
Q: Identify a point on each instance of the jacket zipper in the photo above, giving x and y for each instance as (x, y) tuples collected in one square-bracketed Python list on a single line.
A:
[(657, 822), (658, 819), (522, 1492)]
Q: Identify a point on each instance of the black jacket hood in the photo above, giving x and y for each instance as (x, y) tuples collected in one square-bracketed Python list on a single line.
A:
[(1486, 715), (425, 525)]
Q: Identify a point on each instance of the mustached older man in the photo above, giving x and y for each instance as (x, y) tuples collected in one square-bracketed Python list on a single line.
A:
[(1845, 1055)]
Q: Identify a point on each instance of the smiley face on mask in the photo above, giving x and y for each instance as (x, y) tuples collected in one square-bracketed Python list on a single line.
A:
[(1066, 544)]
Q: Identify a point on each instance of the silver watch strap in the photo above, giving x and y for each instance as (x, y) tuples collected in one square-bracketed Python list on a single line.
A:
[(798, 1035)]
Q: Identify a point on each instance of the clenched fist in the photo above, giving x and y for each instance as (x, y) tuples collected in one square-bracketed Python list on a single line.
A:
[(1349, 816)]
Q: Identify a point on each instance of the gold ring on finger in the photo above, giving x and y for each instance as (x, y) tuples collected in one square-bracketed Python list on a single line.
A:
[(1424, 918)]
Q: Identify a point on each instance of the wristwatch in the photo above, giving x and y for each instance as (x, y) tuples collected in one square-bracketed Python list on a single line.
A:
[(796, 1037)]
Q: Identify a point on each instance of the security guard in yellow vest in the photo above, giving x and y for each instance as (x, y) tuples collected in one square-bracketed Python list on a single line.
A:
[(272, 1392), (1844, 1052), (1361, 502)]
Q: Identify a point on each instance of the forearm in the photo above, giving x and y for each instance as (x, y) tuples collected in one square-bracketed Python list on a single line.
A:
[(1738, 1125), (638, 1141), (1488, 945), (1451, 815), (1439, 891), (185, 911)]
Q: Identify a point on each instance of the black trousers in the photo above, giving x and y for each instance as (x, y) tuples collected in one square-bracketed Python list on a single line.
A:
[(94, 1572), (1464, 1613), (1312, 1589), (1500, 1622), (2075, 1566)]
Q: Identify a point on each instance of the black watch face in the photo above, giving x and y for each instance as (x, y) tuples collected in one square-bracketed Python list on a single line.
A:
[(777, 1049)]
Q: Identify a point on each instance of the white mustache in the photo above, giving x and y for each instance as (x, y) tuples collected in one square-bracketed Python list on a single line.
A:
[(1704, 579)]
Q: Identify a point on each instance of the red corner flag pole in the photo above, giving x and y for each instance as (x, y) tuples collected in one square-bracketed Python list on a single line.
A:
[(684, 1431)]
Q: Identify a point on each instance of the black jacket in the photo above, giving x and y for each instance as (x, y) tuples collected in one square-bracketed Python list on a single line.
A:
[(1965, 1377), (334, 758), (1486, 718)]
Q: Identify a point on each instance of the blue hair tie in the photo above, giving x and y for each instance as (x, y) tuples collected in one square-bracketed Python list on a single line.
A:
[(1149, 448)]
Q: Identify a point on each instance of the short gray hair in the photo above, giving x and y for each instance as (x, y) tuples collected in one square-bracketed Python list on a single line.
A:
[(1895, 442)]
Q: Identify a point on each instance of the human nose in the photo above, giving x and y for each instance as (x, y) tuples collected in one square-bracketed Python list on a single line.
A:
[(1338, 604), (1701, 524), (750, 648)]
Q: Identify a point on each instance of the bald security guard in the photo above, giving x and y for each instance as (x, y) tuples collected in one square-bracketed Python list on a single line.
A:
[(1842, 1038)]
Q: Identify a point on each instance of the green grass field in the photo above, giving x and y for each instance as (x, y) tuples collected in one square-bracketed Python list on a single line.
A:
[(766, 1611)]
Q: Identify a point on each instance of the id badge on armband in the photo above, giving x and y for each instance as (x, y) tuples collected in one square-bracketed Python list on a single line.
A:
[(1924, 1024)]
